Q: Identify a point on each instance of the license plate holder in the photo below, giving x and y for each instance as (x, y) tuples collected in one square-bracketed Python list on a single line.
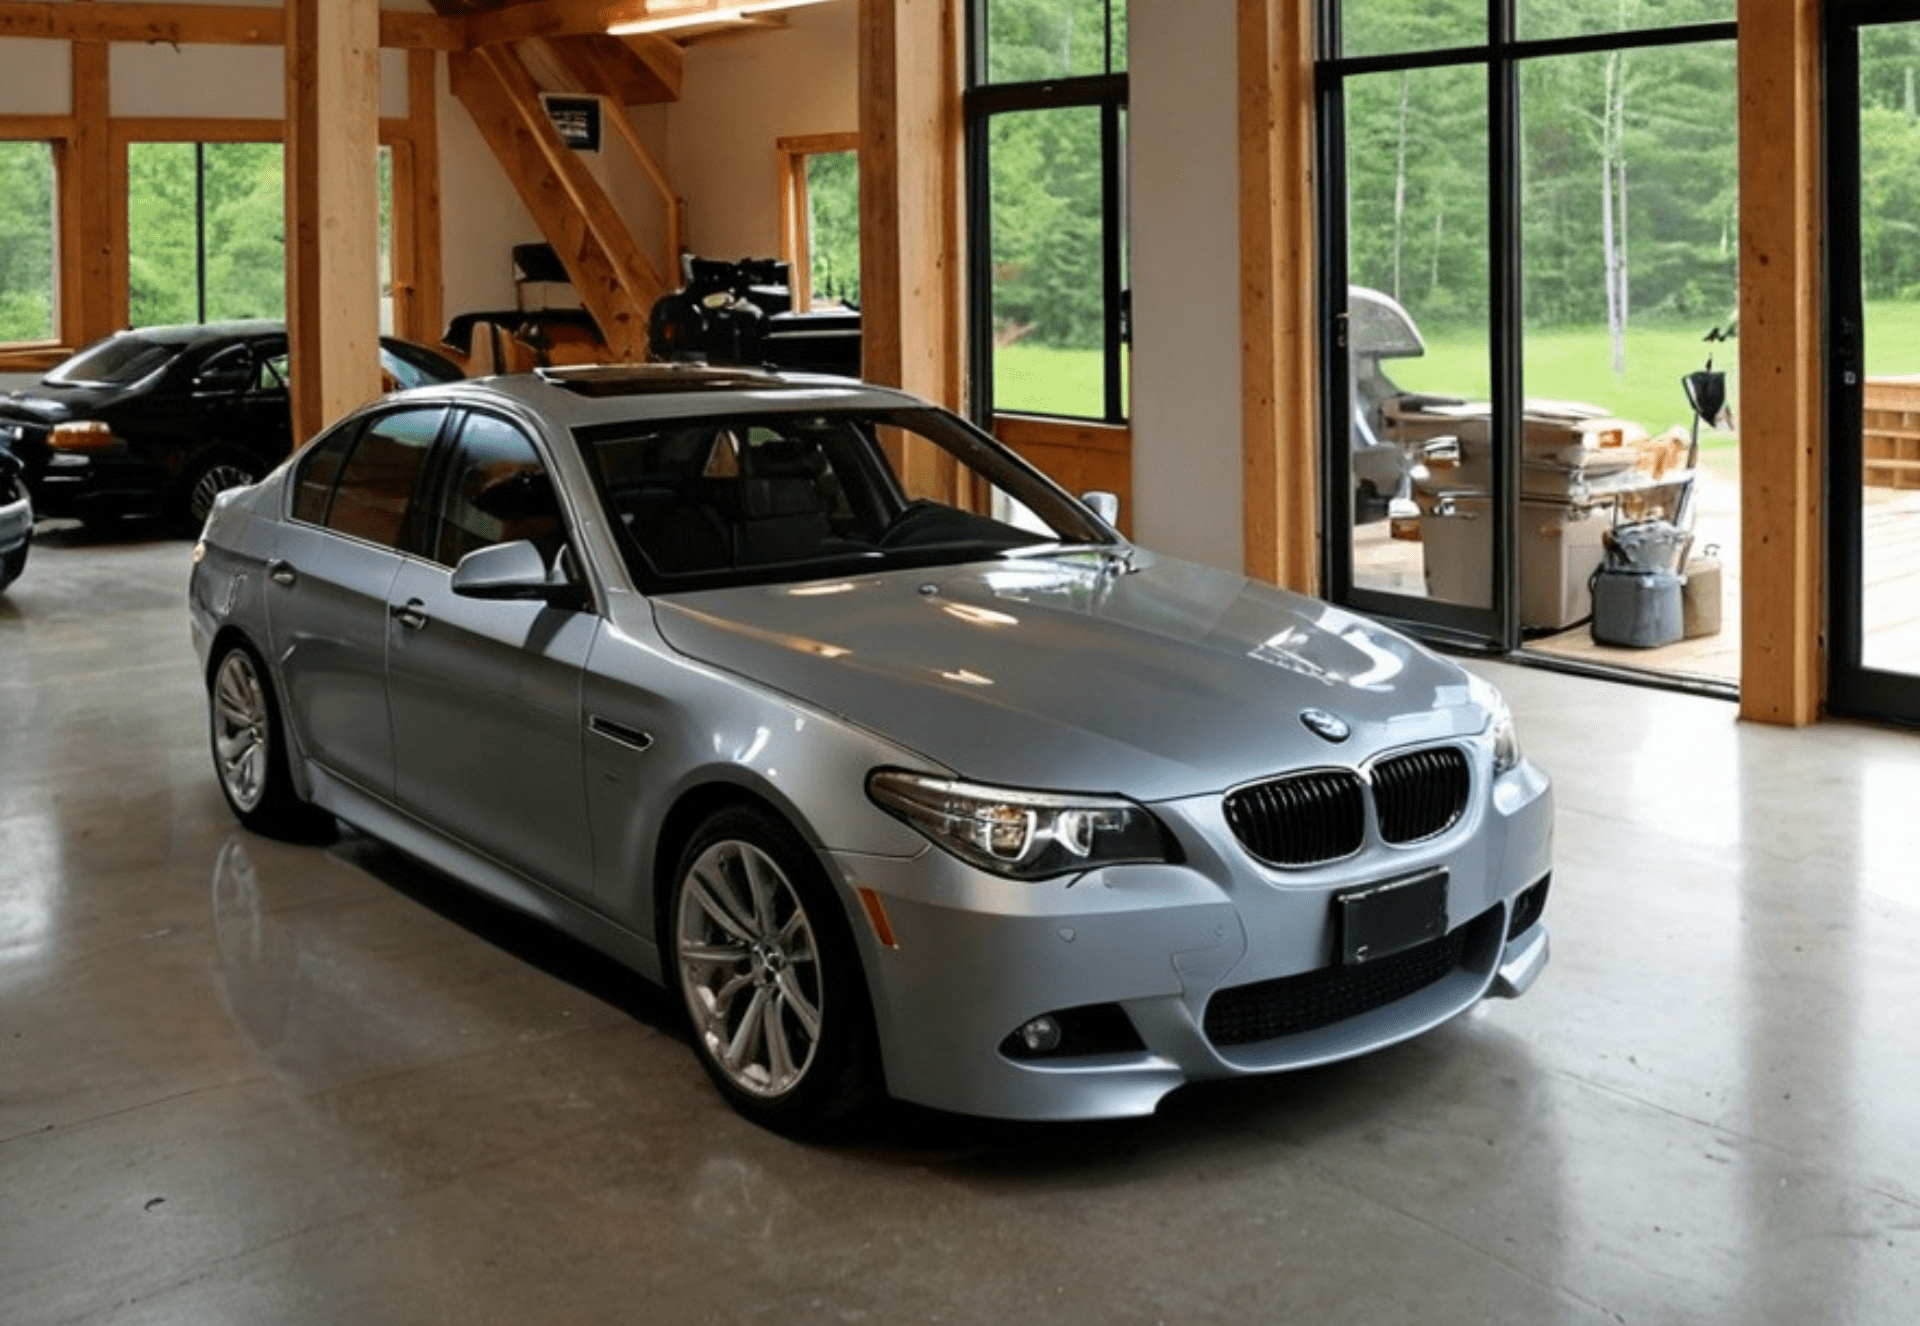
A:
[(1376, 921)]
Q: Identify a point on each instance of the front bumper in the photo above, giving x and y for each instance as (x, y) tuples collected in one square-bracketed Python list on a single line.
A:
[(1167, 974), (80, 484), (16, 521)]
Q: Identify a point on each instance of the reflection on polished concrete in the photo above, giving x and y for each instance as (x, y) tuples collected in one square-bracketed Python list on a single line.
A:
[(243, 1082)]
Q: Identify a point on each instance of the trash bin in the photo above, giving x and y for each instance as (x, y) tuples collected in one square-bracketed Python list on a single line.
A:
[(1637, 590)]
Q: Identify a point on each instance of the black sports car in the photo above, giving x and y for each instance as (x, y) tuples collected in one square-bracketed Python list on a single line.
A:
[(157, 420)]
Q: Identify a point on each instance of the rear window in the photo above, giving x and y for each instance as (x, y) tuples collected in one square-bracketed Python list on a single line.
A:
[(118, 361)]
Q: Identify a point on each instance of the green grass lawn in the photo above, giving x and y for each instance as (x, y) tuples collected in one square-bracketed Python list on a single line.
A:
[(1041, 379), (1574, 364)]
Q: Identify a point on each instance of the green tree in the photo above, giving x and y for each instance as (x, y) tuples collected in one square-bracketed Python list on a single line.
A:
[(241, 188), (26, 242), (833, 225)]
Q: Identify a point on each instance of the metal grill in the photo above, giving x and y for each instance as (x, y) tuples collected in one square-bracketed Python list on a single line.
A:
[(1420, 794), (1311, 818), (1268, 1010), (1301, 820)]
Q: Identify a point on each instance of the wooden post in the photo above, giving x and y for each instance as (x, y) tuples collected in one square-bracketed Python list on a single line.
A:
[(1782, 408), (425, 318), (911, 274), (1280, 428), (89, 244), (333, 207)]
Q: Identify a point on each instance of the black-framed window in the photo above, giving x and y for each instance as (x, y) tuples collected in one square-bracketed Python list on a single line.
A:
[(206, 231), (1046, 114)]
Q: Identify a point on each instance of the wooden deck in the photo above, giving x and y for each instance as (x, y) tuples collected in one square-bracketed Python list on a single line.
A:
[(1892, 592)]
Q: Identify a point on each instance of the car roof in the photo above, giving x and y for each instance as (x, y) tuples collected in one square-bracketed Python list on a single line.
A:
[(198, 333), (582, 396)]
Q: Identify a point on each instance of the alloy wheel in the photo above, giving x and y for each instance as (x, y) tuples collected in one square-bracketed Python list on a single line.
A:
[(750, 967), (240, 730)]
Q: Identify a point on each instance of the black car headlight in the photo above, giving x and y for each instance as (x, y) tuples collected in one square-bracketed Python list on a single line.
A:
[(1022, 835)]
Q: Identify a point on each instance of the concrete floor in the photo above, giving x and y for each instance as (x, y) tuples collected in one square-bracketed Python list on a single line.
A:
[(242, 1082)]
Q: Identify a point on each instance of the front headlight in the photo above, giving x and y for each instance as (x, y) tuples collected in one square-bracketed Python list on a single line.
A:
[(1022, 835), (1506, 742)]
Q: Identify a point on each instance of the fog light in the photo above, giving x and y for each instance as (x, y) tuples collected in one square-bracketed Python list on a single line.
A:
[(1040, 1036)]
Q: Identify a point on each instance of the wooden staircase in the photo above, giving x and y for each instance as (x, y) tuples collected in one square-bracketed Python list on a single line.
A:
[(617, 275)]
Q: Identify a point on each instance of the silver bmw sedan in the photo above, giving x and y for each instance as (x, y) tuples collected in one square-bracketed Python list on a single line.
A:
[(898, 765)]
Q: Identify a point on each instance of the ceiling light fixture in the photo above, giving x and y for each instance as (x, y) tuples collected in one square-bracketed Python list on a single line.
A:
[(680, 16)]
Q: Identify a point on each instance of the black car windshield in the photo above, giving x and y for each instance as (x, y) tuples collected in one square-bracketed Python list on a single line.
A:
[(118, 361), (771, 497)]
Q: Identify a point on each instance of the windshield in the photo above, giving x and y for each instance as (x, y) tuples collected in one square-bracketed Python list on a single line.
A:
[(118, 361), (761, 497)]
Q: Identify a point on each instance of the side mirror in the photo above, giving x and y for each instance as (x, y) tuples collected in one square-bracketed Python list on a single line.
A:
[(512, 571), (1104, 505)]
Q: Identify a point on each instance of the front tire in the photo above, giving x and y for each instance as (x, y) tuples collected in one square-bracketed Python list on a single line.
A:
[(250, 751), (768, 974)]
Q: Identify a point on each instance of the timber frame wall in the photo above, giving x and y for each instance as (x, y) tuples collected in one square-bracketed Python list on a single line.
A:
[(912, 260), (90, 154), (1782, 361)]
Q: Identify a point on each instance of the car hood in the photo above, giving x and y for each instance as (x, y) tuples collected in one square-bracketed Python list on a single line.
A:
[(1076, 671)]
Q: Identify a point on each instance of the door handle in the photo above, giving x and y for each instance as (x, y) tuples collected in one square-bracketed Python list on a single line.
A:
[(281, 572), (409, 614)]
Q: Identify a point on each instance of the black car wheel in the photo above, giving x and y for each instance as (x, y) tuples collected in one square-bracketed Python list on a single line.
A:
[(12, 564), (250, 751), (767, 971), (205, 478)]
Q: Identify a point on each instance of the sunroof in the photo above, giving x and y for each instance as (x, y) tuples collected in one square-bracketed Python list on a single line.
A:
[(651, 379)]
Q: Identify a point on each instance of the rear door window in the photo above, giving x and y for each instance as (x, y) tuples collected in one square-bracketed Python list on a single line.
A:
[(361, 485)]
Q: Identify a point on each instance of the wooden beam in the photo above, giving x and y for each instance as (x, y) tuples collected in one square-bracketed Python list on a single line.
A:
[(538, 18), (415, 278), (426, 278), (178, 24), (1280, 426), (913, 314), (333, 208), (663, 58), (204, 25), (422, 32), (612, 68), (1782, 406)]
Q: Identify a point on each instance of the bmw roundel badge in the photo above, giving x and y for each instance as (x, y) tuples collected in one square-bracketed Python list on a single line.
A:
[(1332, 727)]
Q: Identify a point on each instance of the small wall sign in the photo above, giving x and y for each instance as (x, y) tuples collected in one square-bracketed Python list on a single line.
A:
[(576, 119)]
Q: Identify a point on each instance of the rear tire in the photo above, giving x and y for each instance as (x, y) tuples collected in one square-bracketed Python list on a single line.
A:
[(766, 969), (250, 751)]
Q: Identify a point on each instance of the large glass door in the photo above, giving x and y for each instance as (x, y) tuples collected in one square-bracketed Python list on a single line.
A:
[(1415, 502), (1529, 224), (1874, 195)]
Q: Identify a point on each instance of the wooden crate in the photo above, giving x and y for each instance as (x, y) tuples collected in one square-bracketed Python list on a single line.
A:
[(1890, 428)]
